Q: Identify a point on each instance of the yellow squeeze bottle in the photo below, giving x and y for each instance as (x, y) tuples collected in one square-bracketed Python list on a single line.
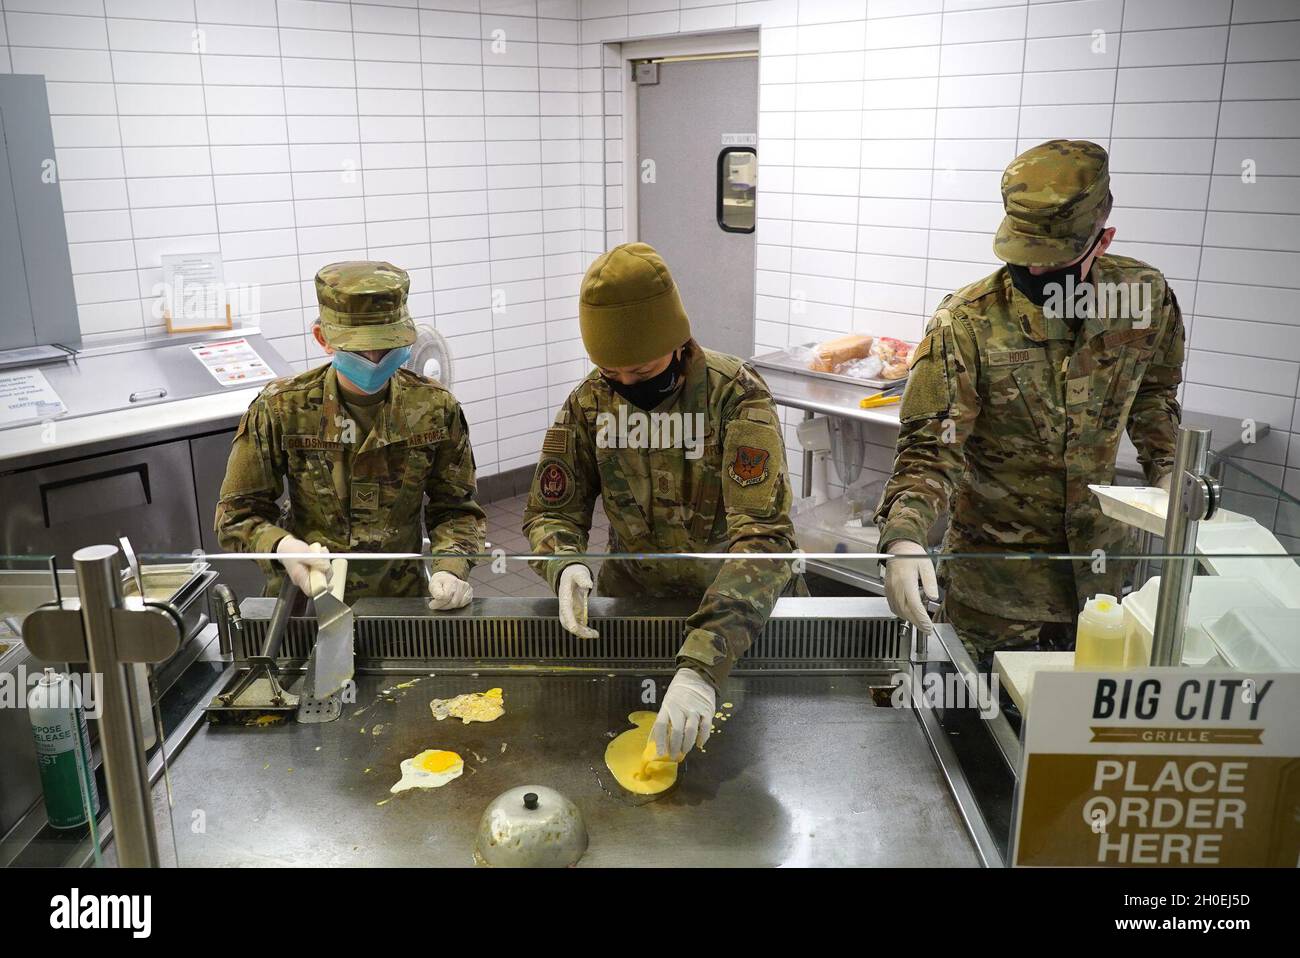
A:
[(1099, 638)]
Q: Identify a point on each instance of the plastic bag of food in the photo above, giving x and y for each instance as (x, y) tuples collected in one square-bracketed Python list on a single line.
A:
[(801, 354), (828, 356), (869, 367), (894, 355)]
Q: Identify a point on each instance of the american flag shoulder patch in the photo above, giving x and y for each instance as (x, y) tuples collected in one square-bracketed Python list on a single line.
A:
[(556, 442)]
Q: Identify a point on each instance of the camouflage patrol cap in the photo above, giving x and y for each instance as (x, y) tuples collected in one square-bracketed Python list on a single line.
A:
[(1056, 196), (363, 305), (629, 311)]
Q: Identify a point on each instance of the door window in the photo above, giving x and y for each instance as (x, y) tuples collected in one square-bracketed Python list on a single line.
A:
[(737, 188)]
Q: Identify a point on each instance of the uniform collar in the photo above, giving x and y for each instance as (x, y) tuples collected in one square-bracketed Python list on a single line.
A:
[(695, 389), (1041, 328), (1029, 315), (694, 383), (330, 427), (334, 415)]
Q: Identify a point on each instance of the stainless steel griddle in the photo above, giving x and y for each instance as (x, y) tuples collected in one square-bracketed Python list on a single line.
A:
[(806, 771)]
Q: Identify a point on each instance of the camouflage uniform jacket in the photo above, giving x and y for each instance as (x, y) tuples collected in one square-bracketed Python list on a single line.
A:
[(417, 454), (735, 497), (1008, 416)]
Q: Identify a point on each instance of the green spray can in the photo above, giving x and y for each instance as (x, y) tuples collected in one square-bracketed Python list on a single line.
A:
[(62, 750)]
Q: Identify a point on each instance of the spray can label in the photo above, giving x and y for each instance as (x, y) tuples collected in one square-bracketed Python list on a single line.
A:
[(62, 747)]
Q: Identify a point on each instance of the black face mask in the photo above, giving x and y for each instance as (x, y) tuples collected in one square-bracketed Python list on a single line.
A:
[(649, 393), (1036, 288)]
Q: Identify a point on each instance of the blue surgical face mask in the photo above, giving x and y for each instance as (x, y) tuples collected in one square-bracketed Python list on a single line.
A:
[(367, 376)]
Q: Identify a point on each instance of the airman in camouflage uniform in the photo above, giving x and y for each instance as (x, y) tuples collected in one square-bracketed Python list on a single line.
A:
[(734, 497), (1013, 407), (359, 471)]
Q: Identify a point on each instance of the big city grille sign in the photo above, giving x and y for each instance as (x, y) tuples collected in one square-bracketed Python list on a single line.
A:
[(1171, 767)]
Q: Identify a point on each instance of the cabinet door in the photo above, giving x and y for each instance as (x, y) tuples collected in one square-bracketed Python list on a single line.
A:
[(146, 494)]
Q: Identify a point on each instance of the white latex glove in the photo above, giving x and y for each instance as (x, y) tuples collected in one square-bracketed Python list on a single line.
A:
[(300, 570), (685, 715), (1165, 481), (448, 591), (575, 586), (905, 577)]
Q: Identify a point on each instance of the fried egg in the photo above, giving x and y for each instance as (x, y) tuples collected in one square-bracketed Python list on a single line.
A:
[(432, 768)]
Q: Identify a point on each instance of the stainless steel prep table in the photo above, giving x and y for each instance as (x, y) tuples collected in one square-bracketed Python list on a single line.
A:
[(141, 450), (820, 396), (806, 771)]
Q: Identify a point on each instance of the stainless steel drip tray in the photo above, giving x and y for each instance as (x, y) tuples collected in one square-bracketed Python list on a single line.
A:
[(839, 634)]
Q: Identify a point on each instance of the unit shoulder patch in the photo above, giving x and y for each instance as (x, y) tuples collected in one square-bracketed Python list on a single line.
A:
[(554, 483), (749, 467)]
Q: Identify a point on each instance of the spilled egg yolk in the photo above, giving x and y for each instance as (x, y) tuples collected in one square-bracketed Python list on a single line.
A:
[(634, 760)]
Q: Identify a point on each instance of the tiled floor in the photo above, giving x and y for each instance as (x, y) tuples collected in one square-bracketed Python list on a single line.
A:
[(505, 522)]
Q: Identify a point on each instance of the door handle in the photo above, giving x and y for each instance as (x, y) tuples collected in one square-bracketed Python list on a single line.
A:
[(56, 494)]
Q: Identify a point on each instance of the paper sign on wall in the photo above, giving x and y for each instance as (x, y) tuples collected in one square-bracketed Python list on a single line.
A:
[(26, 395), (233, 362), (1161, 767), (193, 292)]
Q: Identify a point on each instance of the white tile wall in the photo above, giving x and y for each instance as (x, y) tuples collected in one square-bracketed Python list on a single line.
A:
[(884, 126), (443, 135), (489, 164)]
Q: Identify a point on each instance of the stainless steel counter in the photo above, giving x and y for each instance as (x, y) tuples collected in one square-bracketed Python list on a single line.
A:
[(805, 772)]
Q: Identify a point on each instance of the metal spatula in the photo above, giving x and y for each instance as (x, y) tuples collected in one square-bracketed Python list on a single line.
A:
[(331, 666)]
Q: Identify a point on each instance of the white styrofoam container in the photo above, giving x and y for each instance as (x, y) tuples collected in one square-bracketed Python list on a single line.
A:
[(1212, 597), (1253, 639), (1140, 506), (1230, 544)]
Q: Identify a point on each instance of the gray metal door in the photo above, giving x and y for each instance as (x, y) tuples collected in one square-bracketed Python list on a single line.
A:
[(681, 124), (35, 266)]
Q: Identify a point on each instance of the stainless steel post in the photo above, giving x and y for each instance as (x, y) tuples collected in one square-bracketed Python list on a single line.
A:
[(1181, 522), (120, 739), (807, 462), (1142, 568)]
